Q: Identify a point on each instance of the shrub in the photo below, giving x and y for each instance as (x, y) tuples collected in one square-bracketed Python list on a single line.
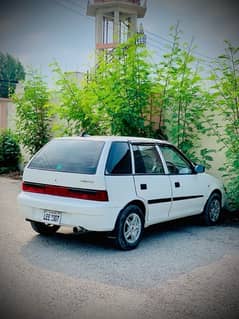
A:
[(33, 122), (225, 79), (9, 152)]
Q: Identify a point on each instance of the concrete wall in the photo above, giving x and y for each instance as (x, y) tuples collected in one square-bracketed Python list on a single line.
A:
[(219, 157), (7, 114), (212, 142)]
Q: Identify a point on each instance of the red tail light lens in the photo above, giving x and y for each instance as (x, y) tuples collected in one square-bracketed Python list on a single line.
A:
[(33, 188), (97, 195)]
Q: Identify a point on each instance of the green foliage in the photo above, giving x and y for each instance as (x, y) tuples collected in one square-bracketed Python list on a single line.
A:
[(183, 101), (124, 95), (33, 122), (225, 79), (111, 99), (9, 152), (11, 71), (75, 115), (119, 89)]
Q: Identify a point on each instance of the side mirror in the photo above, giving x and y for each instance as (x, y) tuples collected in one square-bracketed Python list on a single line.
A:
[(199, 169)]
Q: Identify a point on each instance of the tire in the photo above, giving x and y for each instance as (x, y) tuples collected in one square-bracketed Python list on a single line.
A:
[(129, 228), (44, 229), (212, 211)]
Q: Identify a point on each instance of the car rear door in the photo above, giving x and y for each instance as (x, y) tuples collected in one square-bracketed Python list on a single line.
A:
[(151, 182), (118, 175)]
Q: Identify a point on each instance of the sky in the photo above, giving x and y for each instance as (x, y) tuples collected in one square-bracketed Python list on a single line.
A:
[(39, 32)]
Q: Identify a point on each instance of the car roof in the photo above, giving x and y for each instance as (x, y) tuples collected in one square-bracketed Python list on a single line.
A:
[(116, 139)]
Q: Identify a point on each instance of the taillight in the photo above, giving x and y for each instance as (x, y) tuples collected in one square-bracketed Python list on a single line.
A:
[(88, 194), (33, 188)]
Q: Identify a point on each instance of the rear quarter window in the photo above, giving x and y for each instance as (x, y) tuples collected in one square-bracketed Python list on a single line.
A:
[(119, 159), (71, 156)]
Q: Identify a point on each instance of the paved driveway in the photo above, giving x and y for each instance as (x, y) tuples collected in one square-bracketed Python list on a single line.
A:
[(180, 270)]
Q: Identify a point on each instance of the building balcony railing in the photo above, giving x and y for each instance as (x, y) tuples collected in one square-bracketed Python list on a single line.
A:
[(141, 3)]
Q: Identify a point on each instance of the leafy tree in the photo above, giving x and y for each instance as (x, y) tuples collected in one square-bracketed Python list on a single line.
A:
[(11, 71), (225, 79), (111, 99), (76, 115), (120, 87), (183, 100), (33, 122)]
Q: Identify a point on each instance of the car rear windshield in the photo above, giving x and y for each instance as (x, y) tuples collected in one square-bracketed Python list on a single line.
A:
[(68, 155)]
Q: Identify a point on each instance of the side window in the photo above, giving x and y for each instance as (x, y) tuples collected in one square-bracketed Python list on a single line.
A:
[(175, 162), (147, 159), (119, 159)]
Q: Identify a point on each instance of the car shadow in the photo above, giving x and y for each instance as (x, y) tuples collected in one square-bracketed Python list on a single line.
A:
[(166, 250), (105, 241)]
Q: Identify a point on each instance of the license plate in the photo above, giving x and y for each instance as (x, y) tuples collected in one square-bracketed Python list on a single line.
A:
[(51, 217)]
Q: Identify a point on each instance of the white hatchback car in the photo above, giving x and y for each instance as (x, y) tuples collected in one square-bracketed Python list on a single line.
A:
[(115, 184)]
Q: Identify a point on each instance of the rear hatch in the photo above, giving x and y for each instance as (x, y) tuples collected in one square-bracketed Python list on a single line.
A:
[(67, 167)]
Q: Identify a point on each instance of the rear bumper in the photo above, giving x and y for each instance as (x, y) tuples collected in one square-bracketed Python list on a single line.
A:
[(91, 215)]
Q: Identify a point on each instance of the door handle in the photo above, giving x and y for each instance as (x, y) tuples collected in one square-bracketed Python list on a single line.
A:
[(177, 184), (143, 186)]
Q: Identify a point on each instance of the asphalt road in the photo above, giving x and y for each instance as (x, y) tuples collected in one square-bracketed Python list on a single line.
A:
[(180, 270)]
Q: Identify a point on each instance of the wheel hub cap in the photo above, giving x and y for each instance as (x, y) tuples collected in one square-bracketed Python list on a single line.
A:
[(132, 228), (214, 211)]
